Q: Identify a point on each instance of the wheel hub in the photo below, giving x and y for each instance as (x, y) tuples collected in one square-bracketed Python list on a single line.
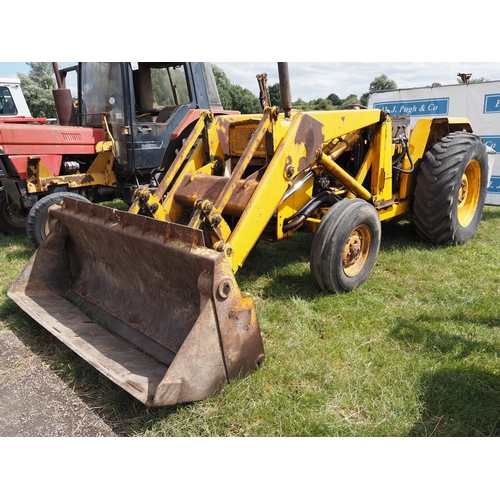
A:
[(356, 251), (14, 219), (353, 248), (462, 191)]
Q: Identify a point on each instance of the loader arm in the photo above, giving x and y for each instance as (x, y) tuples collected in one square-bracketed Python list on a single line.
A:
[(296, 151), (287, 147)]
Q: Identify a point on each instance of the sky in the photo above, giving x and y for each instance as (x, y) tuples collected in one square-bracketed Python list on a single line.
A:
[(363, 38), (312, 80)]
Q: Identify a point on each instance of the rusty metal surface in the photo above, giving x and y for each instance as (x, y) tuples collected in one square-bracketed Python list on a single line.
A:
[(64, 106), (210, 186), (264, 97), (252, 147), (157, 286)]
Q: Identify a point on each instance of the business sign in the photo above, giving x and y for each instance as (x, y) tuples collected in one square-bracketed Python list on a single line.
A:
[(493, 141), (494, 185), (492, 103), (416, 107)]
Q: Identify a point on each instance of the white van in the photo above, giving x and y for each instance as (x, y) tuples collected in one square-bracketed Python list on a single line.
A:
[(12, 101)]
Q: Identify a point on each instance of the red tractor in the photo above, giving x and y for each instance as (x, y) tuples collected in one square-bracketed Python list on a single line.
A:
[(135, 114)]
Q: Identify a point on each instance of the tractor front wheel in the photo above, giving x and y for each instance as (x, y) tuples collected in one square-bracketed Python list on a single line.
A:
[(37, 223), (10, 223), (345, 247)]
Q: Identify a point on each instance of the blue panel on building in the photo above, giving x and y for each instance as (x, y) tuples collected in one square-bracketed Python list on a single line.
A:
[(416, 107), (493, 141), (491, 103), (494, 186)]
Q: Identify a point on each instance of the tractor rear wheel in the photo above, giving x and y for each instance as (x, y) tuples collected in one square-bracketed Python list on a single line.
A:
[(451, 189), (10, 223), (345, 247), (37, 223)]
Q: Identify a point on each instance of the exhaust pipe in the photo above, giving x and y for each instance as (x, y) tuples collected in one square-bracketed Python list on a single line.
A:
[(63, 100), (286, 93)]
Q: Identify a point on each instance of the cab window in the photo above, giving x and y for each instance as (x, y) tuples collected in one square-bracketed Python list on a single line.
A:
[(160, 88), (102, 91), (7, 106)]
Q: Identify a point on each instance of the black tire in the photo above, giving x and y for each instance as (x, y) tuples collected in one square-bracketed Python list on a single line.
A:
[(345, 247), (451, 189), (10, 223), (37, 220)]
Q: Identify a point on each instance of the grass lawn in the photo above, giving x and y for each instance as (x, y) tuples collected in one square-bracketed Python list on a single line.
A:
[(413, 352)]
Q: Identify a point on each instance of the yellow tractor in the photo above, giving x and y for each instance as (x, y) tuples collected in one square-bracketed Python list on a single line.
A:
[(149, 296)]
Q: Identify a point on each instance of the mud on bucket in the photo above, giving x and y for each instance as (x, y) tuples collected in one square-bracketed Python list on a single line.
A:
[(141, 300)]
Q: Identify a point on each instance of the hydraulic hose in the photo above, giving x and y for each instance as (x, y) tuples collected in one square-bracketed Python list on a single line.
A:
[(400, 157), (323, 198)]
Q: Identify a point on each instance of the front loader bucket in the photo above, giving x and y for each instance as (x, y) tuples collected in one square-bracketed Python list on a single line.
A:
[(141, 300)]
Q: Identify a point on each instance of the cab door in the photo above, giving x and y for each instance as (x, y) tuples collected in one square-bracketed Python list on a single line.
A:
[(103, 89)]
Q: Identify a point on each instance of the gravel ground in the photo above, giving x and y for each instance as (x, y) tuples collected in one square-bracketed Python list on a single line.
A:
[(34, 402)]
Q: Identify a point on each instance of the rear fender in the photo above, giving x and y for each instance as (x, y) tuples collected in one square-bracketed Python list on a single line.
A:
[(426, 132)]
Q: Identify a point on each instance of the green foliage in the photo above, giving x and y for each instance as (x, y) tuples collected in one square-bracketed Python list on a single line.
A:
[(275, 95), (474, 80), (223, 86), (300, 105), (243, 100), (382, 82), (350, 99), (323, 104), (335, 99), (37, 88), (379, 83), (332, 102), (235, 97)]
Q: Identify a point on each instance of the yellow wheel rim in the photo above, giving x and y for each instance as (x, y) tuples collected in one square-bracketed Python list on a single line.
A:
[(468, 193), (356, 251)]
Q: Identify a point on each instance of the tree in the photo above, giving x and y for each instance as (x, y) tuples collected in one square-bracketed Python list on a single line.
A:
[(37, 88), (243, 100), (381, 82), (275, 95), (323, 104), (235, 97), (350, 99), (335, 99), (300, 104), (223, 86)]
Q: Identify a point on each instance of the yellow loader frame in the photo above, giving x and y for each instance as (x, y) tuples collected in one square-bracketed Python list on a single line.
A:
[(291, 151)]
